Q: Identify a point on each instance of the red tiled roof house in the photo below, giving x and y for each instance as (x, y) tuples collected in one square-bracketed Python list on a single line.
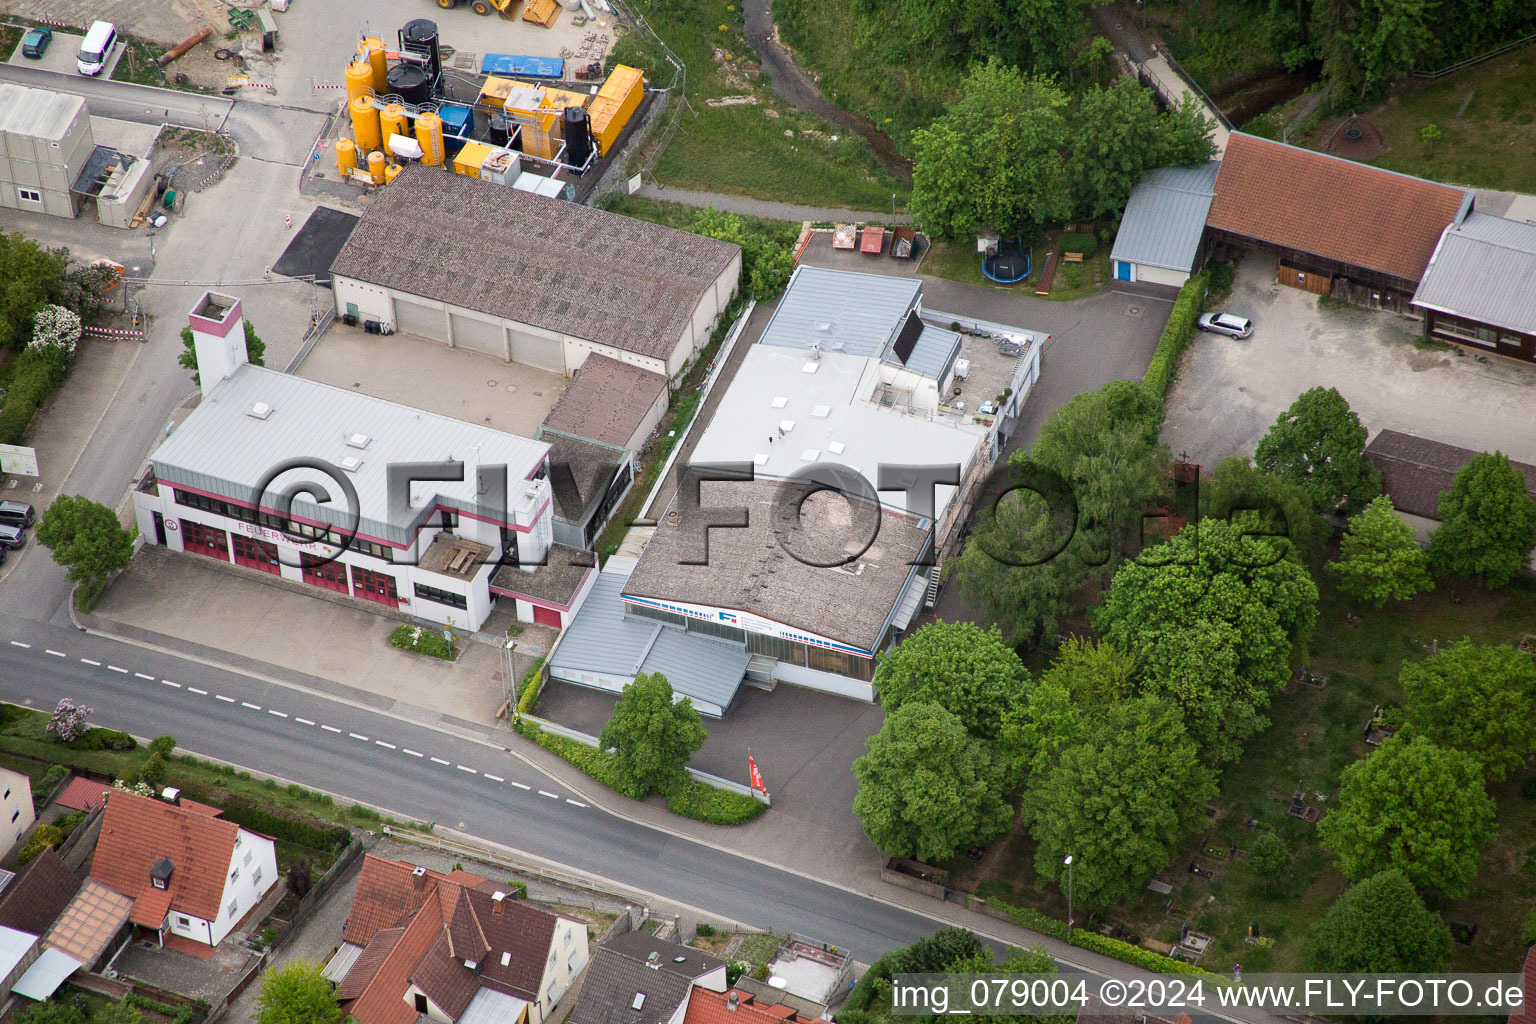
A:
[(190, 874), (451, 947)]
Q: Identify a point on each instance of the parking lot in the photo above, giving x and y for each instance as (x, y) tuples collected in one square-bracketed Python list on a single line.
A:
[(1229, 393)]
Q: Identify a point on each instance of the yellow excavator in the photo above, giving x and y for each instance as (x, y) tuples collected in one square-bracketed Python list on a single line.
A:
[(483, 7)]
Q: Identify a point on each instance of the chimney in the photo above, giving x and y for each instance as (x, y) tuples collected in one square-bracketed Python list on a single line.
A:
[(171, 795), (497, 899), (418, 878), (732, 1000), (218, 338)]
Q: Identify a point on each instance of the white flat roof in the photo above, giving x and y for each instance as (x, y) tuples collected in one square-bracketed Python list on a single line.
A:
[(14, 945), (37, 112), (46, 974), (223, 449), (824, 419)]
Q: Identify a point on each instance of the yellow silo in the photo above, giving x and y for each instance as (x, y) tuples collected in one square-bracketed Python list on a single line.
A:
[(346, 157), (359, 80), (391, 172), (393, 121), (373, 53), (365, 123), (376, 167), (429, 132)]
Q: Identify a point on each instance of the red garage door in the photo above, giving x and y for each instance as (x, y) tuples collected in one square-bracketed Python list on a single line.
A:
[(204, 540), (375, 586), (257, 554), (546, 616)]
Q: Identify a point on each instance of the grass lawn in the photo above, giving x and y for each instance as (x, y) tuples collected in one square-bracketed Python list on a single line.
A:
[(1316, 733), (959, 261), (1487, 144), (743, 149), (758, 948), (31, 769)]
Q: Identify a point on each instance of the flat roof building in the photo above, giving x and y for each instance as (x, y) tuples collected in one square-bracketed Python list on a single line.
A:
[(45, 143), (531, 279), (292, 477)]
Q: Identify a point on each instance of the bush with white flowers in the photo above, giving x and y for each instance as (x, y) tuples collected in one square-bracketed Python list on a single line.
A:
[(55, 332)]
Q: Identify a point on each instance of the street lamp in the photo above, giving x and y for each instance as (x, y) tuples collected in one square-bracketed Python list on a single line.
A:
[(1068, 863)]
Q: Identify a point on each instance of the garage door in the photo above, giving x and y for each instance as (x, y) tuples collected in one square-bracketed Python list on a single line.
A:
[(532, 350), (478, 336), (414, 318), (546, 616)]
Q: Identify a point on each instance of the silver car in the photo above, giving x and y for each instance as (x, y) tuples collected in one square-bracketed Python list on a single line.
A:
[(1226, 323)]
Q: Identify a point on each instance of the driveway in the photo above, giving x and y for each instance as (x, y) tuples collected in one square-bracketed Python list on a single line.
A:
[(1229, 393)]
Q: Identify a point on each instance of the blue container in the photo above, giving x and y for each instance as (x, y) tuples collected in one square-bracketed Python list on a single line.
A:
[(457, 120), (522, 65)]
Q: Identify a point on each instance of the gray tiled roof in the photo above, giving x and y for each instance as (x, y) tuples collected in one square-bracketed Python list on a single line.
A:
[(765, 568), (221, 449), (618, 973), (1484, 269), (592, 468), (603, 639), (606, 401), (547, 262), (840, 310), (1415, 471), (1165, 217)]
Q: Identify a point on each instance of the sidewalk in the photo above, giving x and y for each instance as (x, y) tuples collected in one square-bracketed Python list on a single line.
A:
[(765, 208)]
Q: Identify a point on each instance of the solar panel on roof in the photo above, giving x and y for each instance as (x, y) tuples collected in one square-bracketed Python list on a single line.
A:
[(906, 341)]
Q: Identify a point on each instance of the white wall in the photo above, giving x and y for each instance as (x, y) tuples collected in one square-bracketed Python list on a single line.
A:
[(577, 350), (373, 302), (15, 808), (566, 957), (815, 679), (1159, 275), (255, 859)]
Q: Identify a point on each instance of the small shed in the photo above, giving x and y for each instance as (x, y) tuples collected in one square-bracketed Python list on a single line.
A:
[(872, 241)]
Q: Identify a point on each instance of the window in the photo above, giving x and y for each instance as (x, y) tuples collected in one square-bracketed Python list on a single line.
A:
[(567, 937), (7, 792), (29, 195), (421, 1003), (233, 908), (256, 878), (447, 597), (368, 547), (15, 814), (183, 922), (234, 876), (248, 855), (551, 958)]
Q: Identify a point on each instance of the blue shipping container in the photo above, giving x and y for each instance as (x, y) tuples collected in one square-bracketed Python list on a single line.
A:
[(521, 64), (457, 120)]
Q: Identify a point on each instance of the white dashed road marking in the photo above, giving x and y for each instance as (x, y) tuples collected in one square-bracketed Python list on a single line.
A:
[(88, 661), (141, 675), (493, 778), (552, 796), (413, 753), (441, 761), (56, 654), (358, 736), (114, 668), (578, 803), (519, 785), (467, 768), (248, 704), (200, 693), (167, 682), (226, 700), (279, 714), (330, 728), (18, 643), (386, 746), (304, 721)]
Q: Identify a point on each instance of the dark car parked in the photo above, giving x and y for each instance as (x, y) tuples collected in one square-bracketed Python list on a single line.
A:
[(36, 41)]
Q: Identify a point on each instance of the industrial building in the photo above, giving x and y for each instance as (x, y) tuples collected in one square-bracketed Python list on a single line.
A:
[(792, 584), (531, 279), (217, 487)]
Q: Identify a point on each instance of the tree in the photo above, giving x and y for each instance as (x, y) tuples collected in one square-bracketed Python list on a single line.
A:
[(1269, 857), (927, 788), (86, 538), (1118, 135), (1487, 522), (1120, 798), (1475, 698), (939, 952), (1215, 617), (1267, 505), (55, 333), (51, 1013), (1393, 35), (1085, 678), (966, 671), (993, 159), (1381, 926), (1429, 135), (300, 874), (1104, 448), (652, 735), (117, 1013), (297, 993), (766, 262), (255, 350), (1412, 806), (30, 278), (1380, 560), (152, 771), (162, 745), (68, 721), (1317, 443)]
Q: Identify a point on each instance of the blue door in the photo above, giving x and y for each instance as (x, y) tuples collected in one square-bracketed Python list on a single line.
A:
[(1122, 270)]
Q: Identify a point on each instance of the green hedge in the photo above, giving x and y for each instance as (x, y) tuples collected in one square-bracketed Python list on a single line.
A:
[(1083, 243), (864, 988), (104, 739), (32, 381), (279, 826), (1028, 917), (423, 641), (44, 786), (692, 799), (43, 837), (1181, 325), (528, 689)]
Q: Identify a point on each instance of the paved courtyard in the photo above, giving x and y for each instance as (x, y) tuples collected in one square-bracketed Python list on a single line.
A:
[(1228, 392), (453, 382)]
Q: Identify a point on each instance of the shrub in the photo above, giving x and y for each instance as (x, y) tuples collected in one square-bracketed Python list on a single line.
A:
[(68, 721), (70, 822), (518, 889), (1222, 275), (864, 989), (1137, 955), (32, 381), (43, 837), (162, 745), (1083, 243), (365, 813), (704, 931), (1181, 325), (104, 739), (44, 786), (423, 641), (702, 802), (153, 770), (528, 688)]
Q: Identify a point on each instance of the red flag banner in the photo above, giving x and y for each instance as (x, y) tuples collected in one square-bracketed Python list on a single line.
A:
[(757, 776)]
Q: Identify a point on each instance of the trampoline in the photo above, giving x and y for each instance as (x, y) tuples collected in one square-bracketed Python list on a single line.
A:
[(1010, 264)]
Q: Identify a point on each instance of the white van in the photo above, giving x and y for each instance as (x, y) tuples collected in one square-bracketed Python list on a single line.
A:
[(97, 48)]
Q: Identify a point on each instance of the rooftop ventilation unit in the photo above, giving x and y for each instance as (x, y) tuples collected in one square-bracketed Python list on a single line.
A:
[(809, 367), (351, 463), (506, 959), (779, 402), (359, 441), (785, 426), (836, 447), (759, 460), (821, 412), (259, 411), (679, 959)]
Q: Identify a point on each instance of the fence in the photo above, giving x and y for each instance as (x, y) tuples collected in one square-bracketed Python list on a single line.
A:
[(1189, 83), (1470, 61), (322, 325)]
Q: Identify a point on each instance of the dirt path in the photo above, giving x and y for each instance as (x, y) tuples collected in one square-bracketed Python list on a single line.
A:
[(796, 87)]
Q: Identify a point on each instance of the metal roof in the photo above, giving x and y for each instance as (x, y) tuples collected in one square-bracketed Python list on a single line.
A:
[(1165, 217), (934, 353), (13, 946), (603, 639), (1484, 269), (841, 311), (492, 1007), (46, 974), (223, 449), (341, 962), (36, 112)]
